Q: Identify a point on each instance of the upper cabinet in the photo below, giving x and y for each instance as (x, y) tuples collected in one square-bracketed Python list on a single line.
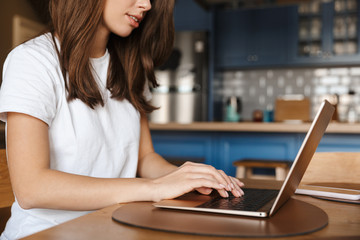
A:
[(313, 33), (327, 33), (189, 16), (252, 37)]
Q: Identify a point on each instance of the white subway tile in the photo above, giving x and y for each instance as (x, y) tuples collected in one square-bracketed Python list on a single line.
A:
[(270, 74), (320, 90), (339, 71), (355, 71), (346, 80), (281, 82), (300, 81), (262, 82), (330, 80), (338, 89), (321, 72), (290, 74)]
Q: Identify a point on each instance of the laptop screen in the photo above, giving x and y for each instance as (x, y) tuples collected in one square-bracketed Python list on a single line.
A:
[(305, 154)]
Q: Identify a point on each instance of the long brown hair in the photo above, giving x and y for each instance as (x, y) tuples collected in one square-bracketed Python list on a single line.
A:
[(132, 59)]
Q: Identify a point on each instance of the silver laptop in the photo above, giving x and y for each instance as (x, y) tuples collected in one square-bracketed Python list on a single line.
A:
[(263, 202)]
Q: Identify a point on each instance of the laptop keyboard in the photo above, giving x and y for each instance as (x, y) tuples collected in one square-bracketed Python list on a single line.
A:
[(252, 200)]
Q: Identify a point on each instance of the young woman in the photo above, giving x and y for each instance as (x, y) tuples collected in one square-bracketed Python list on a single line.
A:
[(75, 102)]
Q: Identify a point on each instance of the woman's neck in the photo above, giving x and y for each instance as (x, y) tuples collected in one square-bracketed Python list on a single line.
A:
[(100, 41)]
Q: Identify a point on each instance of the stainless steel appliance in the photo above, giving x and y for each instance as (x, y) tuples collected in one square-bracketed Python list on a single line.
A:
[(182, 94)]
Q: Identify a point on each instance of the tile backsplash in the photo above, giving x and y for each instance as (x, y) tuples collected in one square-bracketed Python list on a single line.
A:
[(258, 89)]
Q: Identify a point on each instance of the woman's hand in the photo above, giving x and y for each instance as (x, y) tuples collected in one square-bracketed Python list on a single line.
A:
[(194, 176), (235, 185)]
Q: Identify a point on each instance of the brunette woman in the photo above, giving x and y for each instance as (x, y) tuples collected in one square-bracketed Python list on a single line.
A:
[(75, 102)]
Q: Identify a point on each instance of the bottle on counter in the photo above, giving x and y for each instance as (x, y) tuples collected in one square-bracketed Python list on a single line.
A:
[(258, 115), (335, 103), (233, 109), (268, 115), (352, 114)]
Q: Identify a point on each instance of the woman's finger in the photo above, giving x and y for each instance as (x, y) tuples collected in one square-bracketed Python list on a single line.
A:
[(228, 180), (207, 169), (209, 183), (238, 182), (237, 191), (204, 190)]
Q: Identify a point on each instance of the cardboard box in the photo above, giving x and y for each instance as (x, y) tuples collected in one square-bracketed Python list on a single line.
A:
[(292, 108)]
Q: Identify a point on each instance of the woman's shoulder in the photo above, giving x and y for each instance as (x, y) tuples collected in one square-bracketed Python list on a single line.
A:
[(39, 49), (36, 57)]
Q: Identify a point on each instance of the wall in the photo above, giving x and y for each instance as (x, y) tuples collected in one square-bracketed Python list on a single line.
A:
[(258, 89), (9, 8)]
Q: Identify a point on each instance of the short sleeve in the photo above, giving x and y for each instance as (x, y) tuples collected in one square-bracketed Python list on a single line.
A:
[(28, 85)]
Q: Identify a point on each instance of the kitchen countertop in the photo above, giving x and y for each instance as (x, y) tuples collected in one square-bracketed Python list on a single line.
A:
[(334, 127)]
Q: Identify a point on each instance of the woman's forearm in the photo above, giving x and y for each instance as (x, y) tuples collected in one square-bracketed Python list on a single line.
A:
[(153, 166), (36, 185), (58, 190)]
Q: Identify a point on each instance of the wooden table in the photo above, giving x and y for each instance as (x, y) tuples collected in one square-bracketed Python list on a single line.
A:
[(344, 223)]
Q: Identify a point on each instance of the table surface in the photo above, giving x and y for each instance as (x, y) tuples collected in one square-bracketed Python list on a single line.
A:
[(344, 223)]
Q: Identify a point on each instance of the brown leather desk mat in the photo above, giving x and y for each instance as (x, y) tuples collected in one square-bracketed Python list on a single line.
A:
[(294, 218)]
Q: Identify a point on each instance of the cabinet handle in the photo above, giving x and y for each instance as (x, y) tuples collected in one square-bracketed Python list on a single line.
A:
[(327, 55), (252, 58)]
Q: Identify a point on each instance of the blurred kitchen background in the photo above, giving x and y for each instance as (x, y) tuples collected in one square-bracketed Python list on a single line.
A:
[(260, 52), (245, 76), (259, 89), (234, 59)]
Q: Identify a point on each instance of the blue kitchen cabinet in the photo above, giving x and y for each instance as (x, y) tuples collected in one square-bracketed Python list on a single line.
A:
[(186, 145), (266, 146), (189, 16), (232, 40), (311, 43), (252, 37), (285, 36), (330, 37), (340, 143), (345, 33), (221, 149), (332, 142)]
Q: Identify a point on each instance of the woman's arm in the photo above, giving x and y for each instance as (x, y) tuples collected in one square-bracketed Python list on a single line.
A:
[(37, 186), (151, 164)]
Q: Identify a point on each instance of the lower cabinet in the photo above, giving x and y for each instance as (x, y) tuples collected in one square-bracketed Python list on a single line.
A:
[(185, 145), (340, 143), (221, 149), (232, 147)]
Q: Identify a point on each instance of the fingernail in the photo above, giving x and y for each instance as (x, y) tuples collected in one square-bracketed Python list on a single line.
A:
[(227, 194), (222, 186), (229, 187), (232, 186), (239, 193)]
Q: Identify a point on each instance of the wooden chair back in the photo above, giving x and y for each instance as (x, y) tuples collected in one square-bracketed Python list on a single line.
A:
[(6, 193), (334, 167)]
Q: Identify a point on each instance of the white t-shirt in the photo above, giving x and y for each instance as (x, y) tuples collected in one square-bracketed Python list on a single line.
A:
[(102, 143)]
